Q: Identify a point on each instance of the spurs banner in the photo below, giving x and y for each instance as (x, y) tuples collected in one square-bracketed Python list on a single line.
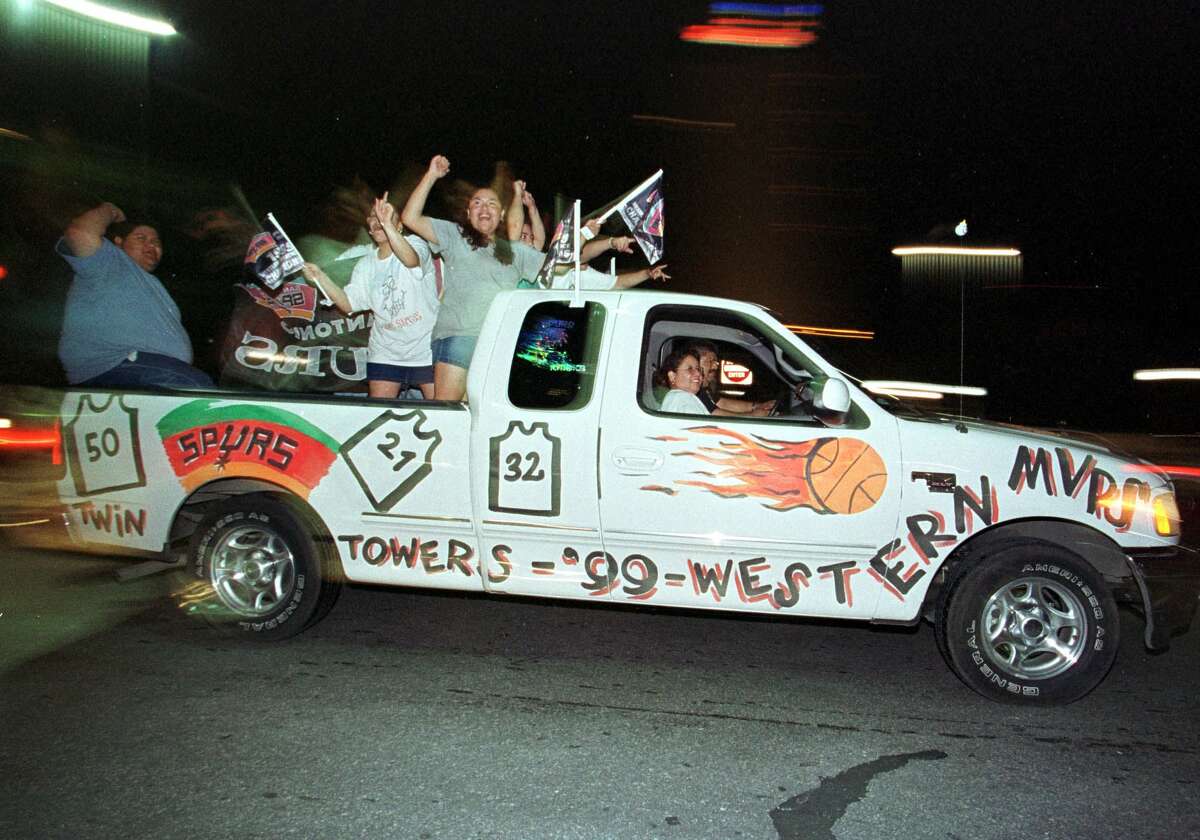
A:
[(642, 212), (562, 248), (284, 339), (271, 257)]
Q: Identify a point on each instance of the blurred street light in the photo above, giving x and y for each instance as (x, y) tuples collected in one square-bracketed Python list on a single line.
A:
[(128, 20)]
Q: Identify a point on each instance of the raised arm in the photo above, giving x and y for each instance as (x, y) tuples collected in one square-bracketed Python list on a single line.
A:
[(598, 246), (514, 219), (634, 278), (85, 232), (535, 220), (333, 291), (386, 214), (413, 215)]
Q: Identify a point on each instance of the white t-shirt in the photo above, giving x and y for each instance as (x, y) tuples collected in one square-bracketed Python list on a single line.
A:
[(589, 278), (403, 302), (683, 402)]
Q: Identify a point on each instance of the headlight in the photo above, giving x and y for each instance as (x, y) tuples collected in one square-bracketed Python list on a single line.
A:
[(1166, 515)]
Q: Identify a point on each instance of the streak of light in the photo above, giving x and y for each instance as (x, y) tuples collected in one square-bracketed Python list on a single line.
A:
[(23, 524), (880, 385), (655, 118), (743, 36), (33, 439), (831, 332), (905, 393), (1159, 374), (961, 250), (15, 135), (128, 20), (765, 24), (1176, 470), (768, 9), (28, 438)]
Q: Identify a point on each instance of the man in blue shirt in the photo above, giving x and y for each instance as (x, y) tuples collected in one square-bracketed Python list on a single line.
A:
[(121, 329)]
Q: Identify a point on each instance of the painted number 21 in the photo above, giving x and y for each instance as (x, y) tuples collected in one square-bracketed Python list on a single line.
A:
[(532, 471), (387, 450)]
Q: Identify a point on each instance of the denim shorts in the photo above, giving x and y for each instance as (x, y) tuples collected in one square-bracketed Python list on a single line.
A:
[(150, 370), (455, 350), (404, 374)]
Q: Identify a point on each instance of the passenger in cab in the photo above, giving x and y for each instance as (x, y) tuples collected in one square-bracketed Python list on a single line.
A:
[(121, 328), (680, 372), (710, 368), (398, 284)]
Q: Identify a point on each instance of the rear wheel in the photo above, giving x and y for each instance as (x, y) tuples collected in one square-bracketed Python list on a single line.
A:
[(1029, 623), (258, 567)]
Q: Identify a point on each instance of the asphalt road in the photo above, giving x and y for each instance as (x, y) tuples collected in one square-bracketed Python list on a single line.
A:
[(422, 715)]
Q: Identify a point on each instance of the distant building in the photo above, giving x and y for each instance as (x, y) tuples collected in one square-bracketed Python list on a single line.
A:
[(73, 74), (767, 127)]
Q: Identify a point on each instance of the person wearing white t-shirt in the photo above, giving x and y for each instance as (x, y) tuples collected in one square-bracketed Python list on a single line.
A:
[(680, 372), (397, 283)]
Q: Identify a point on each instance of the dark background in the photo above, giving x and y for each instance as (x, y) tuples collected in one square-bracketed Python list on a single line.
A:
[(1065, 130)]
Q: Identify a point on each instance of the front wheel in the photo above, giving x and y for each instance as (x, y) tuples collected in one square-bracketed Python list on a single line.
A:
[(258, 567), (1029, 623)]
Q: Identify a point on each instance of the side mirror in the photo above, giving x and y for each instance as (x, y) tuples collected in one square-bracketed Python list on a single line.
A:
[(832, 396)]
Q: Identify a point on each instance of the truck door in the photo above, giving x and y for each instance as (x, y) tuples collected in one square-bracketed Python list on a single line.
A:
[(537, 413), (743, 513)]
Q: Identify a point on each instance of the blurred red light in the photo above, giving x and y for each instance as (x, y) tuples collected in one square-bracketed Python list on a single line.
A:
[(32, 439)]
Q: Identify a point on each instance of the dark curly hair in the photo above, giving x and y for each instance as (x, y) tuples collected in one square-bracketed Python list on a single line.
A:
[(670, 365)]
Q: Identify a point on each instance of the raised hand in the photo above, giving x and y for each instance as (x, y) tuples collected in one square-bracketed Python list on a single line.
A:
[(313, 272), (118, 215), (527, 200), (624, 244), (658, 272), (385, 212), (439, 166)]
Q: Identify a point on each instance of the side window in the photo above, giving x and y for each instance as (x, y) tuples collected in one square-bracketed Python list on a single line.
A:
[(554, 362), (747, 370)]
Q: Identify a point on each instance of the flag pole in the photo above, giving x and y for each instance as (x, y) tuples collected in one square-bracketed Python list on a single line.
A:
[(325, 301), (575, 221), (617, 204)]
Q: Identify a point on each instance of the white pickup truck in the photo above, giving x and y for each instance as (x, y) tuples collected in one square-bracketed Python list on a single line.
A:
[(562, 478)]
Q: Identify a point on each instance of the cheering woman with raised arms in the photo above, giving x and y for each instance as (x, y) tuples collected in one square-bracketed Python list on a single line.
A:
[(479, 265)]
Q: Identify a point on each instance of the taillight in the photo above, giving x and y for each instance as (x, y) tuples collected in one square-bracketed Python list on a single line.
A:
[(56, 454)]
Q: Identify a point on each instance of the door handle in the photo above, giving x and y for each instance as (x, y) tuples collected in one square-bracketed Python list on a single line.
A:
[(631, 460)]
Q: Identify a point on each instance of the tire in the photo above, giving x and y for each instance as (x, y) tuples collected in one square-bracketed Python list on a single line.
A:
[(1029, 623), (258, 567)]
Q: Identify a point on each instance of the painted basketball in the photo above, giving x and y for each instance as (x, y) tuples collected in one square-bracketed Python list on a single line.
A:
[(846, 475)]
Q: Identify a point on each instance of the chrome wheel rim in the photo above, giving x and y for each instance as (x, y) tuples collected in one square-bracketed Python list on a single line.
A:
[(1034, 628), (252, 571)]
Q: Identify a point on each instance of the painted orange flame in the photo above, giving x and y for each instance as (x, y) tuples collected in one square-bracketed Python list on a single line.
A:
[(836, 475)]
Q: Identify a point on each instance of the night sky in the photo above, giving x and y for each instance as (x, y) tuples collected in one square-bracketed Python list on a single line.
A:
[(1066, 129)]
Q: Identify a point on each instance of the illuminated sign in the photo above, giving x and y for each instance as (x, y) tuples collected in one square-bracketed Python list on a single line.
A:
[(769, 25), (734, 374), (956, 250)]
